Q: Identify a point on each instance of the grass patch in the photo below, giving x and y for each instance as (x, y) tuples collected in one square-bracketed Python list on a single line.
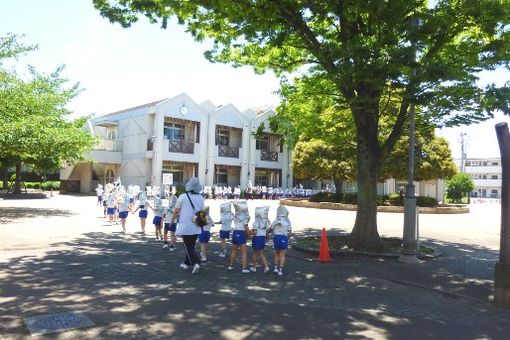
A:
[(339, 243)]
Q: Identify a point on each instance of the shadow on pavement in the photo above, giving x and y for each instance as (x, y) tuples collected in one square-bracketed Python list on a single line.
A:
[(11, 214), (130, 287)]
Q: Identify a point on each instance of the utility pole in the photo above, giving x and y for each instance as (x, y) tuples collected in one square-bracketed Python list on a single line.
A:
[(463, 145)]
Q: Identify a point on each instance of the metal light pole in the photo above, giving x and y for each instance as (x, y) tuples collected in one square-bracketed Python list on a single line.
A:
[(409, 246)]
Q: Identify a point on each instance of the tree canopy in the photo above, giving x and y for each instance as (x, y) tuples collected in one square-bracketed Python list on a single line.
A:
[(459, 186), (36, 128), (428, 53)]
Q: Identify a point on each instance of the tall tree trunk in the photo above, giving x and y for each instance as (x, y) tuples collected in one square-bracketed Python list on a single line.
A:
[(17, 183), (364, 235)]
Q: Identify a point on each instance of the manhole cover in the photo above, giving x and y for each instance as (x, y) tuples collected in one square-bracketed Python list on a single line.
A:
[(58, 322)]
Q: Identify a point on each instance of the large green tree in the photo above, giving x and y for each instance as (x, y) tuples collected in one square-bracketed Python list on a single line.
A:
[(459, 186), (366, 49), (36, 128)]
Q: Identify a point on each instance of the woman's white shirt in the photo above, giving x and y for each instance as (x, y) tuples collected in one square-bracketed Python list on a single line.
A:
[(186, 213)]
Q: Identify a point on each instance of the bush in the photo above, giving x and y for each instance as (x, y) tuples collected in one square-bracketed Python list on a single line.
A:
[(396, 199), (326, 197), (55, 185), (179, 189), (426, 201), (350, 198)]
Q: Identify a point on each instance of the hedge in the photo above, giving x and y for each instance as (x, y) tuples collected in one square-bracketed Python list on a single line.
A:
[(352, 198), (37, 185)]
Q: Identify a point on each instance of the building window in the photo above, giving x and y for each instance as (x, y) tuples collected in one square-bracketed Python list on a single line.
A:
[(222, 136), (110, 176), (111, 134), (495, 163), (197, 137), (261, 177), (174, 131), (221, 175), (494, 191), (484, 177), (177, 169), (468, 163), (484, 163), (262, 144), (494, 177)]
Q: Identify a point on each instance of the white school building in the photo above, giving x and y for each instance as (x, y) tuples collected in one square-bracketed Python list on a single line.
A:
[(186, 139), (214, 143)]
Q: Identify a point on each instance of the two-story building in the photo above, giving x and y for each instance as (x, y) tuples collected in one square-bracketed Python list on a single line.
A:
[(178, 136)]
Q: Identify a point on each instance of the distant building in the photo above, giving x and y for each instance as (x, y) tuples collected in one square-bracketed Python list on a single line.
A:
[(486, 174)]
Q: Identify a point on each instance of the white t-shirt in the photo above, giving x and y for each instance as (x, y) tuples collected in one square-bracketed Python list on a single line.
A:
[(260, 226), (99, 191), (123, 206), (186, 213), (226, 221), (281, 226), (111, 201)]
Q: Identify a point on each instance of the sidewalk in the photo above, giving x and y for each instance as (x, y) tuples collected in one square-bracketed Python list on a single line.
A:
[(132, 288)]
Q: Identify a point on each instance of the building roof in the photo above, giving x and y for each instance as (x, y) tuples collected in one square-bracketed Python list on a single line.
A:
[(134, 108)]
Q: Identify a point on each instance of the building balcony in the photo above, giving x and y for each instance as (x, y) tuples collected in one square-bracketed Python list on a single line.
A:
[(487, 183), (108, 145), (270, 156), (181, 147), (228, 151)]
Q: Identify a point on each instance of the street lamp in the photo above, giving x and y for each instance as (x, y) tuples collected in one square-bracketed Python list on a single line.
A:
[(409, 246)]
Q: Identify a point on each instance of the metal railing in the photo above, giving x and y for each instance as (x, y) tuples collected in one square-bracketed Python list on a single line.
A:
[(108, 145), (269, 156), (228, 151), (181, 147)]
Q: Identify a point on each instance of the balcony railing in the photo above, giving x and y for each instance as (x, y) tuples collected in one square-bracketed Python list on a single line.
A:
[(269, 156), (181, 147), (228, 151), (108, 145)]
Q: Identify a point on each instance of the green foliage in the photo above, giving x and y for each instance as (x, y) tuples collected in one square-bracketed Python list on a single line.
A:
[(36, 128), (179, 190), (367, 53), (459, 186), (391, 199)]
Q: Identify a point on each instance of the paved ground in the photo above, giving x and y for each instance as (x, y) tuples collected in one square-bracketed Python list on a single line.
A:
[(58, 254)]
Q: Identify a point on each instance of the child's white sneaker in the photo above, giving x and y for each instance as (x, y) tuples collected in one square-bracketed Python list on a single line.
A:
[(280, 272), (276, 269), (184, 266), (165, 245), (172, 247), (266, 269), (230, 268), (203, 258), (223, 255), (245, 271), (253, 269), (196, 267)]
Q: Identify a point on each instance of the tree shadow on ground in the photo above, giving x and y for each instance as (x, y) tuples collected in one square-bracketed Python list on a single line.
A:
[(12, 214), (130, 287), (24, 196), (459, 268)]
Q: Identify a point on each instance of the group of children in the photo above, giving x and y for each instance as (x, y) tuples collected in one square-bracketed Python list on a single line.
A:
[(118, 203)]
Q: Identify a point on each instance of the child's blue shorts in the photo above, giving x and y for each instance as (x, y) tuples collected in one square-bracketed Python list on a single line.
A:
[(156, 220), (99, 198), (224, 234), (105, 204), (170, 227), (111, 211), (239, 237), (281, 242), (131, 200), (143, 213), (204, 236), (258, 242), (123, 214)]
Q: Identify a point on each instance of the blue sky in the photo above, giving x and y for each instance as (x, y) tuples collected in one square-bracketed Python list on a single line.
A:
[(119, 68)]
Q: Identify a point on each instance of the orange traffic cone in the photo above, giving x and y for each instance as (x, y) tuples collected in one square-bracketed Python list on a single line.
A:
[(324, 249)]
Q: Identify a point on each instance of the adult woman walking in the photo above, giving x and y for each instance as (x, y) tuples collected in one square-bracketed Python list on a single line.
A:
[(187, 205)]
